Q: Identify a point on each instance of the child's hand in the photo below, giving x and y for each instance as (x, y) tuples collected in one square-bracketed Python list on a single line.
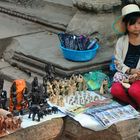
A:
[(138, 74), (126, 85), (135, 71), (133, 78)]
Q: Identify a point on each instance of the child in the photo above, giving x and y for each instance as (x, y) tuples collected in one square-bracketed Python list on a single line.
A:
[(127, 56)]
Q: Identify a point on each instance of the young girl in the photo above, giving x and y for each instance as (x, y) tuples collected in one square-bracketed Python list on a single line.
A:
[(127, 55)]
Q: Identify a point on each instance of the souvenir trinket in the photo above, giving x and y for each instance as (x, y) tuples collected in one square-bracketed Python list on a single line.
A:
[(104, 87)]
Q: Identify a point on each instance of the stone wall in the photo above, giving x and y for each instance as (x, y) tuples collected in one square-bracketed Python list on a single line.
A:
[(99, 6), (96, 17)]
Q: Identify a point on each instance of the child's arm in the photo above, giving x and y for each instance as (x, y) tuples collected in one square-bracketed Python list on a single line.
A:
[(119, 49)]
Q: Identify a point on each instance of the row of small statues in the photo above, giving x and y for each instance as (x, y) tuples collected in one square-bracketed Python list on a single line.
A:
[(22, 100), (58, 89), (34, 101)]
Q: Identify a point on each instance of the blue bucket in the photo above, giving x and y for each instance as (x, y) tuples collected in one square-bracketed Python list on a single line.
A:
[(79, 56)]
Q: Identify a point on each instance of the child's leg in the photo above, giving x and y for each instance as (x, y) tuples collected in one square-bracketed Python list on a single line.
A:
[(134, 92), (118, 91)]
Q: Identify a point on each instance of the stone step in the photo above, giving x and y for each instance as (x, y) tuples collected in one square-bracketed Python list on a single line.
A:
[(43, 49), (11, 73), (29, 61), (68, 3), (31, 68), (27, 68), (31, 64)]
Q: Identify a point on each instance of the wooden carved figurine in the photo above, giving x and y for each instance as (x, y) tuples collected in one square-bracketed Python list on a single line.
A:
[(3, 98), (34, 109), (61, 101), (45, 80), (50, 71), (3, 94), (1, 83), (34, 85), (81, 84), (104, 87), (14, 96)]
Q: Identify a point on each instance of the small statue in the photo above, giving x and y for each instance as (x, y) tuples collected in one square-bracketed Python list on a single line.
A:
[(80, 83), (25, 101), (104, 87), (13, 96), (63, 87), (54, 109), (45, 80), (34, 109), (16, 96), (50, 71), (34, 85), (3, 94), (37, 104), (49, 77), (50, 89), (1, 83), (61, 101), (35, 98), (55, 99), (3, 98), (43, 96)]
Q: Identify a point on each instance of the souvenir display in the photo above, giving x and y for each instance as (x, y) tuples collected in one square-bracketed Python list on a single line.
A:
[(43, 101)]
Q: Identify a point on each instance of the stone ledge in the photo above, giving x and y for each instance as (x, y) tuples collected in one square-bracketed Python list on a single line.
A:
[(125, 130), (69, 129), (48, 130), (98, 6)]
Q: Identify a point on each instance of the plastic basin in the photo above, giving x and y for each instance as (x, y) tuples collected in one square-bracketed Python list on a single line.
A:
[(79, 56)]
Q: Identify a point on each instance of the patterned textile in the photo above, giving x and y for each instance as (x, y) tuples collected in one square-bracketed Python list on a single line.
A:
[(118, 77)]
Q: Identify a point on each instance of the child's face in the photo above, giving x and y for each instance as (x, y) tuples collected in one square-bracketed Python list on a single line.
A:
[(135, 28)]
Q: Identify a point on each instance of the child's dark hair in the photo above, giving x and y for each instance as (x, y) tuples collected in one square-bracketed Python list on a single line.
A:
[(131, 19)]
